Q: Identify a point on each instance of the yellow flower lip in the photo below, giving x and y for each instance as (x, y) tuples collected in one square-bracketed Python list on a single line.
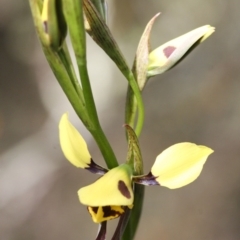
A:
[(112, 189)]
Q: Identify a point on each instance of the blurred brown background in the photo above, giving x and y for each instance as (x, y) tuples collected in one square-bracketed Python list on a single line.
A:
[(198, 101)]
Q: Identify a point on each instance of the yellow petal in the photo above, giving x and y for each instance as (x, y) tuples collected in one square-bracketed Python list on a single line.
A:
[(180, 164), (114, 188), (169, 54), (72, 143)]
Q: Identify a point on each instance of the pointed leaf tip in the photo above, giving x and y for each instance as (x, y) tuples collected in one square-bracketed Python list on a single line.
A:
[(180, 164), (141, 58)]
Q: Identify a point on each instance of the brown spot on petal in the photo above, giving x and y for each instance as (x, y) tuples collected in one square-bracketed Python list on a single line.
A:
[(123, 189), (45, 26), (168, 51)]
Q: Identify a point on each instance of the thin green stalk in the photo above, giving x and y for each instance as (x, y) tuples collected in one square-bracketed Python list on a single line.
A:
[(136, 213), (130, 107), (138, 104), (74, 16), (97, 131)]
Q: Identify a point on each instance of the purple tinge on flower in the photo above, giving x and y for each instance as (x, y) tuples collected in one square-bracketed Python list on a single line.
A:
[(168, 51)]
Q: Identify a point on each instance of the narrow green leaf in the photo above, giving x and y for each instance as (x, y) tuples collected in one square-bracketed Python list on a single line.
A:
[(103, 37), (57, 65), (101, 7)]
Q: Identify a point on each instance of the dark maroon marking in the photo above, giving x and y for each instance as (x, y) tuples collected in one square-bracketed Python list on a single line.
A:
[(94, 209), (107, 212), (168, 51), (147, 180), (95, 168), (45, 26), (102, 232), (123, 189)]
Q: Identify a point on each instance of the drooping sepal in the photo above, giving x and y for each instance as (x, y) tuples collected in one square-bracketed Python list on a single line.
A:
[(180, 164), (169, 54), (112, 189), (75, 148)]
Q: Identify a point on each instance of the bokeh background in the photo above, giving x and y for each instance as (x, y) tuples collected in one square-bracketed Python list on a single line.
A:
[(197, 101)]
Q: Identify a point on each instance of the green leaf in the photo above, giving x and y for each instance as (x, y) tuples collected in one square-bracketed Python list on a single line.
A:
[(58, 66), (103, 37), (101, 7)]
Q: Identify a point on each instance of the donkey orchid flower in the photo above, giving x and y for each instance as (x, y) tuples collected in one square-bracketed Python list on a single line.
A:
[(109, 196)]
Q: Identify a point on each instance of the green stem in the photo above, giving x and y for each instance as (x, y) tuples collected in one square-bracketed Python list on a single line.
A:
[(97, 131), (138, 104), (136, 213), (130, 108), (74, 16)]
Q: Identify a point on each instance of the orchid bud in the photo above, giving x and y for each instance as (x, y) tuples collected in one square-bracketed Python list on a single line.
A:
[(54, 24), (171, 53)]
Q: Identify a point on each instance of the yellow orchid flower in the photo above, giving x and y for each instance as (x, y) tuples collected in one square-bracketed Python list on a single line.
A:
[(109, 196)]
